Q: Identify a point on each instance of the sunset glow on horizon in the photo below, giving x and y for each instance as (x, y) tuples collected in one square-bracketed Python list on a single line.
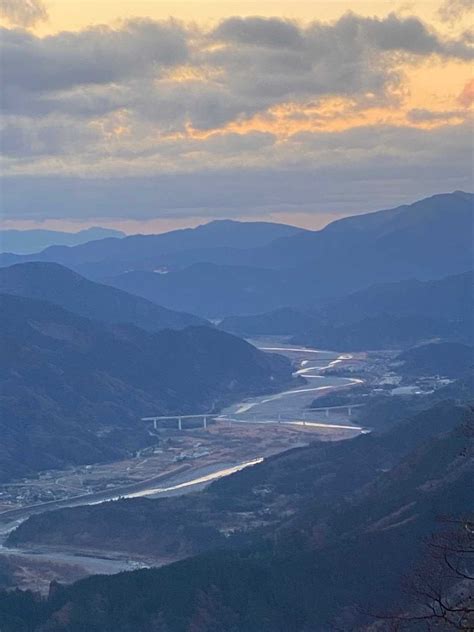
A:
[(111, 90)]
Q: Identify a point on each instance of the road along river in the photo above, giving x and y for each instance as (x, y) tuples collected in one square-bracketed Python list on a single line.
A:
[(289, 407)]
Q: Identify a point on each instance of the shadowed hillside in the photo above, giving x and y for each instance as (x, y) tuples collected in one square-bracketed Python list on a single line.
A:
[(382, 316), (328, 554), (59, 285), (73, 389)]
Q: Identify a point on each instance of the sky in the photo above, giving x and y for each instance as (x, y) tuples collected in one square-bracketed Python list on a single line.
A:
[(148, 115)]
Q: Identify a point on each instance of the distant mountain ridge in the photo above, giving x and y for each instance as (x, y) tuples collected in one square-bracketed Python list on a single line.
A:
[(384, 331), (210, 289), (427, 240), (34, 240), (238, 268), (149, 251), (450, 298), (63, 287), (389, 314)]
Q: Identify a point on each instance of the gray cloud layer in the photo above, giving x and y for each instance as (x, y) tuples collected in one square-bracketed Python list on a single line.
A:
[(97, 55), (254, 63), (120, 100), (350, 171)]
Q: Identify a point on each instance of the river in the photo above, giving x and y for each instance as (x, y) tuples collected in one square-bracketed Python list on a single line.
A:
[(291, 406), (288, 406)]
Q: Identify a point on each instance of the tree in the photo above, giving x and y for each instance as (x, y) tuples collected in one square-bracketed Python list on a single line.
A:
[(440, 591)]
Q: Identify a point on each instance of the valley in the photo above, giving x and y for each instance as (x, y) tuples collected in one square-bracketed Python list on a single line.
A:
[(180, 462), (259, 440)]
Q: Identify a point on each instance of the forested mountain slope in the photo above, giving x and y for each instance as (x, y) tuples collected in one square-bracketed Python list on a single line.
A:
[(59, 285), (327, 556), (73, 390)]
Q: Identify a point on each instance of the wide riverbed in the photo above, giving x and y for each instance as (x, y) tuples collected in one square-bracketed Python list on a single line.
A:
[(292, 405), (288, 406)]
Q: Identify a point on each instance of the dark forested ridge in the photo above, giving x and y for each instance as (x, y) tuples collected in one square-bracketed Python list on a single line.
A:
[(329, 550), (397, 315), (446, 299), (449, 359), (211, 290), (319, 474), (65, 377), (390, 315), (385, 331), (57, 284)]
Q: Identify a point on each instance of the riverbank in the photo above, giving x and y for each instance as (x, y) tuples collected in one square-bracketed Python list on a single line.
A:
[(242, 435)]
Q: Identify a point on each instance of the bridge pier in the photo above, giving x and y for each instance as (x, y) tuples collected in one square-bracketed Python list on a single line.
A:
[(349, 410), (327, 412), (180, 419)]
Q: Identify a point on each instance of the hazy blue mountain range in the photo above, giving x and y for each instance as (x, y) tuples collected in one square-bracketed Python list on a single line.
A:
[(427, 240), (341, 553), (385, 331), (73, 389), (24, 242), (399, 238), (386, 315), (246, 268), (279, 322), (449, 298), (448, 359), (59, 285), (397, 315), (147, 252), (211, 290)]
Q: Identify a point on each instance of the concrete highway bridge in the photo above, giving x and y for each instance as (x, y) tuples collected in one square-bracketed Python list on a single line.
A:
[(251, 418), (179, 419), (327, 409)]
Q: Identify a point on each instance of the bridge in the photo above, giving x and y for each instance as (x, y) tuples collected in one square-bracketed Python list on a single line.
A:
[(326, 409), (257, 418), (179, 419)]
